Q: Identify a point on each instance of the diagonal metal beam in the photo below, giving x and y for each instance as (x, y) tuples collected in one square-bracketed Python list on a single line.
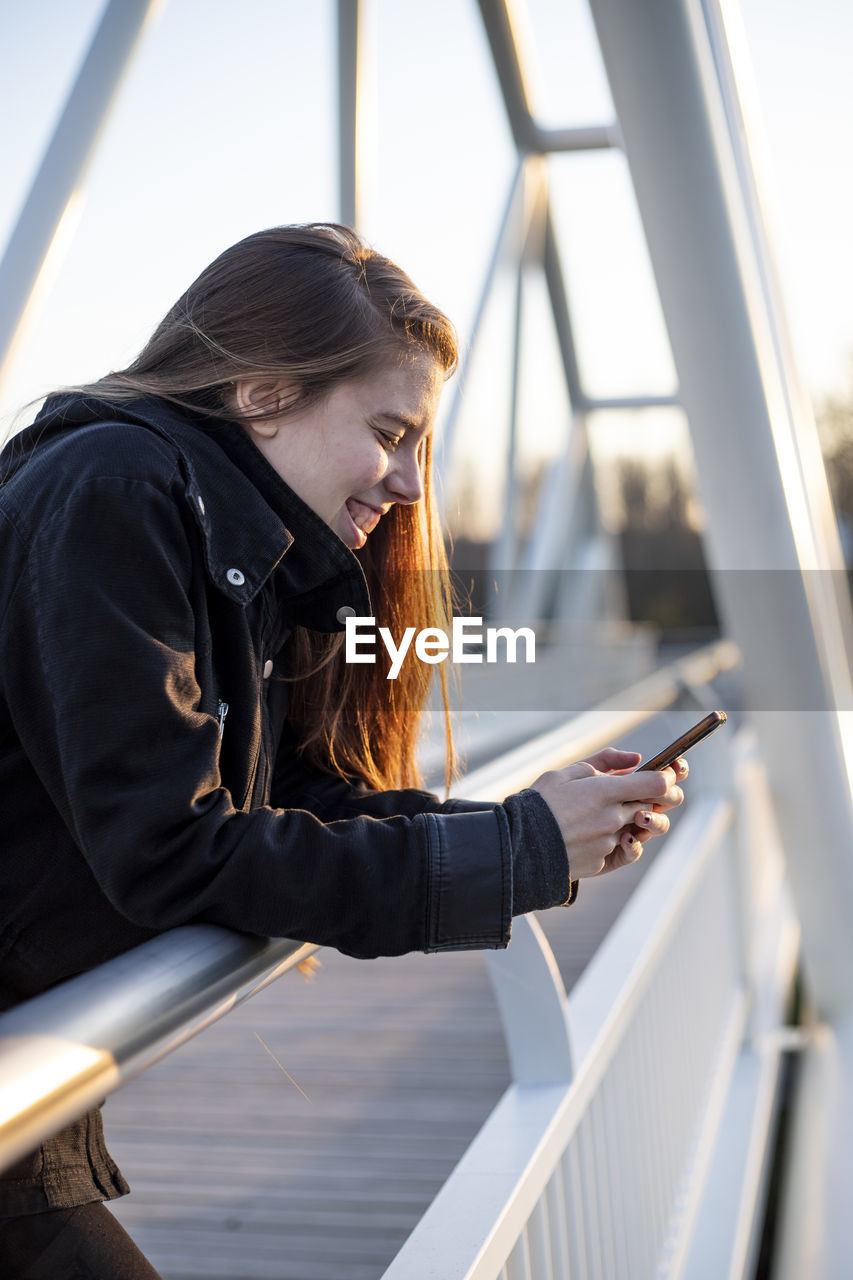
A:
[(497, 23), (502, 249), (65, 163), (528, 135), (556, 284)]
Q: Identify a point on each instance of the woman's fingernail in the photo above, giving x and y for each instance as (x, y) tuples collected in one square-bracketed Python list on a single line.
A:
[(646, 819)]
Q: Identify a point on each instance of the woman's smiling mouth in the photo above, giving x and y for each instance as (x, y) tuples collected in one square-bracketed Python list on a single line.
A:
[(364, 517)]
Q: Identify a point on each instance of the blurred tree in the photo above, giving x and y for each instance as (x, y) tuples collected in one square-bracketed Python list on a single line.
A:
[(666, 574)]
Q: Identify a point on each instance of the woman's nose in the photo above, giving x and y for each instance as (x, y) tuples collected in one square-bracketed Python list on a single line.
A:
[(406, 483)]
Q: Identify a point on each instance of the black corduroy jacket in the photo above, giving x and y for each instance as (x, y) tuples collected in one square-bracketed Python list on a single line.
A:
[(150, 577)]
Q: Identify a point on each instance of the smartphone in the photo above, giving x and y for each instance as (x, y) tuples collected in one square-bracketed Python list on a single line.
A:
[(685, 742)]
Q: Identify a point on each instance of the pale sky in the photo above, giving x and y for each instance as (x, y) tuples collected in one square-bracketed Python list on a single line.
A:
[(225, 124)]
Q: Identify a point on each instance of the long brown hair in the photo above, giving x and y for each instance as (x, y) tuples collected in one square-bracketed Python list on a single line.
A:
[(315, 304)]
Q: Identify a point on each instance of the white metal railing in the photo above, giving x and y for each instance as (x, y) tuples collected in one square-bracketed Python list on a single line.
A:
[(633, 1140), (584, 1178)]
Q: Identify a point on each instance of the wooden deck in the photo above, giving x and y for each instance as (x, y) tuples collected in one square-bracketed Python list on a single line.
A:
[(237, 1175)]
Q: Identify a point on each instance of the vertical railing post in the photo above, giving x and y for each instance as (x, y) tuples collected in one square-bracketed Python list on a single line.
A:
[(356, 99), (531, 999)]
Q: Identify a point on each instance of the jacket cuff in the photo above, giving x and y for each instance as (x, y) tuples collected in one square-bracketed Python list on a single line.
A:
[(469, 885), (540, 868)]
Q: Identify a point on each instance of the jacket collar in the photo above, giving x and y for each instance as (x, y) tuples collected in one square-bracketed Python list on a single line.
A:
[(320, 575), (252, 523)]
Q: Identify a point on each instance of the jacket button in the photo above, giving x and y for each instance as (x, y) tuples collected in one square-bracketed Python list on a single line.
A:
[(235, 577), (345, 611), (268, 668)]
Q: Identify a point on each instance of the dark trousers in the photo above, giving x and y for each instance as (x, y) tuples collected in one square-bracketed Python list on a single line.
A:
[(85, 1243)]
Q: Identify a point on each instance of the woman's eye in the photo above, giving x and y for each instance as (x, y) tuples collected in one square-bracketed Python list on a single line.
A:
[(389, 442)]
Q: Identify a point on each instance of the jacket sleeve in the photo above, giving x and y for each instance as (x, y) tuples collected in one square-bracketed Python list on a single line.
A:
[(540, 871), (99, 669)]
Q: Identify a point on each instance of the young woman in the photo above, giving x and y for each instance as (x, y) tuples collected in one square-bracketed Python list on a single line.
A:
[(181, 737)]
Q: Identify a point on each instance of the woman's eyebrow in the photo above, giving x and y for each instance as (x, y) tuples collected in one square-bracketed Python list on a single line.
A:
[(401, 419)]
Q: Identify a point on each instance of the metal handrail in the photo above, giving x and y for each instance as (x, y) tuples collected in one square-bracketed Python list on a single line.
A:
[(63, 1051)]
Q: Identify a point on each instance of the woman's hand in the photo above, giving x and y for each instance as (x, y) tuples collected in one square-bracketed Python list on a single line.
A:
[(607, 812)]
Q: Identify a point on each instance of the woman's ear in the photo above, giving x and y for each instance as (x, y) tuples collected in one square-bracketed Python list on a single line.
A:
[(255, 399)]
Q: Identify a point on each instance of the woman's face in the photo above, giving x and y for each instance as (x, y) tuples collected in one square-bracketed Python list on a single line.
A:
[(355, 453)]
